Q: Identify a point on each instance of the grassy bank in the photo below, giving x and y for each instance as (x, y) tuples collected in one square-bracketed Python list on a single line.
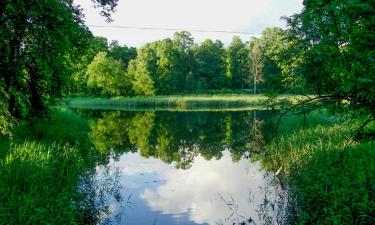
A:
[(182, 102), (325, 188), (40, 171)]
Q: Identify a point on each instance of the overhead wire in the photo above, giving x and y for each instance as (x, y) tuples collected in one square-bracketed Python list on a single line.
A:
[(173, 29)]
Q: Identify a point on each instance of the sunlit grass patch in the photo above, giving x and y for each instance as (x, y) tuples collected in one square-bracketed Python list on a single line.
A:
[(38, 182)]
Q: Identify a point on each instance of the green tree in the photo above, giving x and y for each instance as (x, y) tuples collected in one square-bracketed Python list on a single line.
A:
[(122, 53), (78, 83), (237, 64), (183, 42), (272, 44), (38, 41), (108, 75), (170, 77), (209, 69), (142, 71), (331, 51)]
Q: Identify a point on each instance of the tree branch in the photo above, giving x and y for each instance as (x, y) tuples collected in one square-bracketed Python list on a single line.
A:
[(297, 105)]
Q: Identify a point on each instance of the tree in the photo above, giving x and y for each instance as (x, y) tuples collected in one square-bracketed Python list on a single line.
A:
[(38, 41), (331, 51), (272, 45), (257, 62), (78, 83), (209, 69), (122, 53), (183, 42), (237, 63), (108, 75), (142, 71), (170, 74)]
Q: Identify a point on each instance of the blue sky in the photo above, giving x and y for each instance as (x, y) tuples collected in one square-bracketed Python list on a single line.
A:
[(230, 15)]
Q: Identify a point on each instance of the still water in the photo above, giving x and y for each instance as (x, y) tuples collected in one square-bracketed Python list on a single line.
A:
[(185, 168)]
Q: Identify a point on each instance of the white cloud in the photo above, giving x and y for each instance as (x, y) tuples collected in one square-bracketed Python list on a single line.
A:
[(230, 15), (198, 193)]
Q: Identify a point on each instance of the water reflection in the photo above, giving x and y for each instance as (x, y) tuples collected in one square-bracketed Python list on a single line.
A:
[(186, 168), (180, 136)]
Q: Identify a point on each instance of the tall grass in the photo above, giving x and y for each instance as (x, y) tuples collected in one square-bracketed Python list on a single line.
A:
[(41, 168), (179, 102), (38, 182), (326, 187)]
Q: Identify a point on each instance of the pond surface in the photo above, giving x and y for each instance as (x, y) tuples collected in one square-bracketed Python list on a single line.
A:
[(185, 168)]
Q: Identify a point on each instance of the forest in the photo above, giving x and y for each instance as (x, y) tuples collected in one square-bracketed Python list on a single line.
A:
[(178, 65), (48, 56)]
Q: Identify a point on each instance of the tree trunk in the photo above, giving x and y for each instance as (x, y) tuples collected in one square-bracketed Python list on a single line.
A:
[(255, 86), (36, 104)]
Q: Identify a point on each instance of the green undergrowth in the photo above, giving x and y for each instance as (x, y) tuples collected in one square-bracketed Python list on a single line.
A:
[(327, 182), (40, 169)]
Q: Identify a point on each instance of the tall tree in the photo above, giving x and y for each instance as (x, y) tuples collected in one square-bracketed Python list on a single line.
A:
[(142, 71), (237, 64), (257, 62), (78, 84), (122, 53), (37, 40), (209, 68), (331, 50), (183, 42), (170, 74), (108, 76), (272, 44)]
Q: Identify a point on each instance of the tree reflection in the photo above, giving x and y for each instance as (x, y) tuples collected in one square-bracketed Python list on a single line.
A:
[(178, 137), (109, 133)]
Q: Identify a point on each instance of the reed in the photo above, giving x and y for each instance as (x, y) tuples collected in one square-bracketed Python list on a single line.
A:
[(180, 103)]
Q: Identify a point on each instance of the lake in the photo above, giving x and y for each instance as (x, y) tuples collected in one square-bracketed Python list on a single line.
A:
[(184, 168)]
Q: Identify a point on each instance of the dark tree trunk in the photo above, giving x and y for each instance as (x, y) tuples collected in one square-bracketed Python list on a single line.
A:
[(35, 98)]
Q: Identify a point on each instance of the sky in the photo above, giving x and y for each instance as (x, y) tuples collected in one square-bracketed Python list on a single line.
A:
[(201, 193), (250, 16)]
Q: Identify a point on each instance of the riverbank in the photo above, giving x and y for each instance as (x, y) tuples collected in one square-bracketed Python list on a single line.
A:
[(43, 169), (196, 102), (328, 181)]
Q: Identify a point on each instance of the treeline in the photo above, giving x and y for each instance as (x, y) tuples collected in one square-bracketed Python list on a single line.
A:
[(175, 65)]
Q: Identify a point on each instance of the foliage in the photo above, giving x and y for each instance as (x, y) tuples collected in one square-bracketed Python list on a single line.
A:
[(209, 65), (141, 70), (175, 65), (41, 43), (238, 64), (107, 75), (330, 51), (272, 42), (122, 53), (78, 83)]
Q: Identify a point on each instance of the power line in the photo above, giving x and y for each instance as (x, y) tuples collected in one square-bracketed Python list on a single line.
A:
[(173, 29)]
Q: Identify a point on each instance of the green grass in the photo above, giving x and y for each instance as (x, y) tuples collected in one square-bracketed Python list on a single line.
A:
[(40, 171), (191, 102), (323, 187)]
